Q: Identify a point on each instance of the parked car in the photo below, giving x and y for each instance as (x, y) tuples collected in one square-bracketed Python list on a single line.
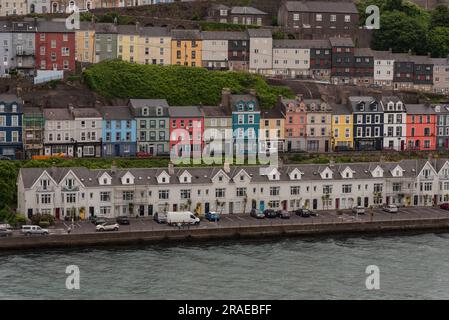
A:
[(358, 210), (96, 221), (29, 230), (256, 214), (391, 208), (122, 220), (283, 214), (5, 233), (107, 226), (305, 213), (213, 216), (160, 217), (444, 206), (270, 213)]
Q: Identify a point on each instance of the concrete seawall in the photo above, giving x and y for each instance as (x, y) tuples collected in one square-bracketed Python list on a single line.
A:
[(141, 237)]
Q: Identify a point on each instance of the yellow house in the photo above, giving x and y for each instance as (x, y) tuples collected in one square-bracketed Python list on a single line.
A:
[(154, 46), (85, 43), (127, 43), (272, 130), (342, 128), (186, 46)]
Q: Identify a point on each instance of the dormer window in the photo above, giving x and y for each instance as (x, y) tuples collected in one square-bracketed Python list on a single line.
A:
[(186, 179), (163, 179), (240, 106), (127, 181), (2, 107), (242, 178), (145, 111), (14, 107), (159, 111), (348, 175), (220, 178), (251, 106), (296, 176), (105, 181), (327, 175)]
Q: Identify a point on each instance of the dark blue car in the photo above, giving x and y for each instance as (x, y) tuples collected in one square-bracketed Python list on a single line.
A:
[(213, 216)]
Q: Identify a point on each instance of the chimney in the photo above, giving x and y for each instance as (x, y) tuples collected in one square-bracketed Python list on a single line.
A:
[(331, 162), (409, 52), (171, 168), (137, 25), (226, 98), (71, 108), (299, 97), (226, 167), (344, 97), (113, 167)]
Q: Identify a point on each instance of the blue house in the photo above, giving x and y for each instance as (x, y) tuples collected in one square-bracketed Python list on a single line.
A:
[(11, 116), (119, 133), (245, 112)]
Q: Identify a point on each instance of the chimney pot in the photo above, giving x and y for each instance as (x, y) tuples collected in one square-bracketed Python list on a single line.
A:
[(171, 168)]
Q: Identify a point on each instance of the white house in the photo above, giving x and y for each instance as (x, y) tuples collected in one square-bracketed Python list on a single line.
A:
[(383, 68), (290, 58), (261, 51), (395, 114), (142, 192)]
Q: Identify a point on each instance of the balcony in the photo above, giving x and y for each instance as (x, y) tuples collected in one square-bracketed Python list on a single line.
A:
[(24, 53)]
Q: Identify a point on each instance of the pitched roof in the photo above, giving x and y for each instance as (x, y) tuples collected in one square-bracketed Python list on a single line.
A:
[(322, 6), (138, 104), (86, 113), (181, 34), (185, 112), (214, 112), (53, 26), (224, 35), (260, 33), (341, 42), (363, 52), (105, 28), (116, 113), (57, 114), (419, 109), (246, 10)]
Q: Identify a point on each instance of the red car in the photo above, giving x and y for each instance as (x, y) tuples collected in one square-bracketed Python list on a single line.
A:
[(444, 206)]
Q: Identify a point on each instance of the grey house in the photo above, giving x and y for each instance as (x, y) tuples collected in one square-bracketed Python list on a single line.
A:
[(442, 125), (23, 47), (105, 41), (5, 47), (153, 125)]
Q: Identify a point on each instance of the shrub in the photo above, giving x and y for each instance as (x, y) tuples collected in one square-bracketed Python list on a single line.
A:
[(38, 218), (44, 224)]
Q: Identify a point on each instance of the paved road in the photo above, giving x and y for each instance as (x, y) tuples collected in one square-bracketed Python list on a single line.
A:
[(240, 220)]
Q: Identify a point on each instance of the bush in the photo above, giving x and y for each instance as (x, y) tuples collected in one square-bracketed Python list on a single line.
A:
[(180, 85), (42, 218), (44, 224)]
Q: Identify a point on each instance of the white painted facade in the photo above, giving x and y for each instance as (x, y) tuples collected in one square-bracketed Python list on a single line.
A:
[(291, 61), (215, 53), (142, 192), (383, 72), (59, 132), (395, 131), (261, 54)]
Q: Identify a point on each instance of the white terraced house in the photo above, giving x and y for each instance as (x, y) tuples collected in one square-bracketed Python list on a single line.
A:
[(236, 189)]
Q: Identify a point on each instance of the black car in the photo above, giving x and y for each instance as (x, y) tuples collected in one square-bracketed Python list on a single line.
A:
[(283, 214), (305, 213), (122, 220), (270, 213)]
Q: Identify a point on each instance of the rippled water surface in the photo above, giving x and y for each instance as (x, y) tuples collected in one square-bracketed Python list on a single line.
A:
[(324, 268)]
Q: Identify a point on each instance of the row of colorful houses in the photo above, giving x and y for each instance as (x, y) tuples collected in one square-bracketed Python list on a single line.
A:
[(238, 126), (47, 45)]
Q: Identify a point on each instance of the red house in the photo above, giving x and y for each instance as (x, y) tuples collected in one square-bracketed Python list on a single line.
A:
[(421, 127), (55, 46), (186, 129)]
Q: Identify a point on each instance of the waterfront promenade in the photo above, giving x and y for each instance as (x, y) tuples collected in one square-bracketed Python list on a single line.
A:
[(143, 230)]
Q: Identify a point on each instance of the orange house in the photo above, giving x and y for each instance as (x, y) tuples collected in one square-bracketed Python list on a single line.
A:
[(295, 114), (421, 128)]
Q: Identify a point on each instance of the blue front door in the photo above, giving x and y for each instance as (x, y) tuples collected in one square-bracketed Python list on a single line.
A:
[(262, 205)]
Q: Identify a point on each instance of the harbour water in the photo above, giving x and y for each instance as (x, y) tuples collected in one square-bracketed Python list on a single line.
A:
[(411, 267)]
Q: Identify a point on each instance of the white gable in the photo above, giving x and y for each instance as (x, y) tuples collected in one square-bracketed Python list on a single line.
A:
[(274, 175), (397, 171), (427, 171), (327, 173), (378, 172), (105, 179), (242, 177), (128, 178), (44, 176), (220, 176), (444, 171), (163, 177), (185, 177), (296, 174), (347, 173)]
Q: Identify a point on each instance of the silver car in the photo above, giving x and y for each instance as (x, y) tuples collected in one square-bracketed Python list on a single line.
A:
[(108, 226), (32, 230), (5, 233)]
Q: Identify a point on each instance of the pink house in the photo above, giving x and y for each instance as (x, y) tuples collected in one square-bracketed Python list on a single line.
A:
[(295, 113)]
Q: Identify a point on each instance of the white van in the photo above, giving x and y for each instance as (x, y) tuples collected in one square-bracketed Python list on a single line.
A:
[(182, 217)]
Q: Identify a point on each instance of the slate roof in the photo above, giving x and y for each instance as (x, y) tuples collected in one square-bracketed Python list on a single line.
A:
[(236, 98), (203, 175), (419, 109), (86, 113), (181, 34), (246, 10), (57, 114), (341, 42), (224, 35), (322, 6), (138, 104), (105, 28), (116, 113), (214, 112), (53, 26), (185, 112), (260, 33)]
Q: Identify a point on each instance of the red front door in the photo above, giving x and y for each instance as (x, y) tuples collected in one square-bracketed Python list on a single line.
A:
[(337, 203), (57, 214)]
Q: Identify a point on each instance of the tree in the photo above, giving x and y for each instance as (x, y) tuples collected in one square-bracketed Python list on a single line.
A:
[(439, 38), (395, 33), (440, 17)]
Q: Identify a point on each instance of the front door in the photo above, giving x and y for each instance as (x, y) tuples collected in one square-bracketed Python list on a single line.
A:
[(415, 200), (151, 150), (337, 203), (150, 210), (206, 207), (175, 207), (231, 207), (366, 204), (117, 150), (91, 211), (141, 210), (57, 214), (262, 206), (289, 146), (326, 146), (253, 204), (315, 204), (284, 205)]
